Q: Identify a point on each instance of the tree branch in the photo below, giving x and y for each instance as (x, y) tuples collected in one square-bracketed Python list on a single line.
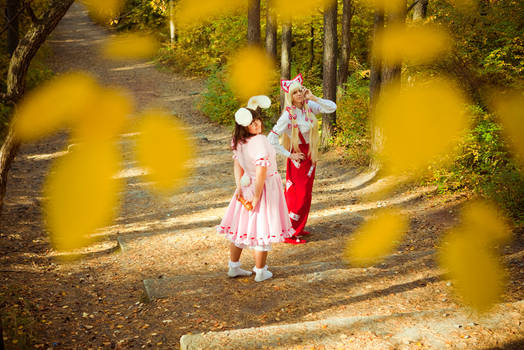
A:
[(31, 14), (412, 5)]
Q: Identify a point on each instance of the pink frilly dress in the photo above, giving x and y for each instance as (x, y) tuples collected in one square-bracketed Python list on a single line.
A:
[(269, 221)]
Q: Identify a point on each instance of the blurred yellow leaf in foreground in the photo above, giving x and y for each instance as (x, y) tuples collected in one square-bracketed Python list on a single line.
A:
[(376, 238), (55, 104), (82, 194), (510, 109), (469, 257), (165, 150), (104, 119), (416, 44), (130, 46), (104, 10), (292, 10), (418, 125), (251, 73), (190, 13)]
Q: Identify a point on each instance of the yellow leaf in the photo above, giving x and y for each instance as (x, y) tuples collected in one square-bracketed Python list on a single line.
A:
[(191, 13), (251, 73), (468, 254), (387, 5), (104, 10), (130, 46), (82, 194), (418, 125), (416, 44), (376, 238), (291, 10), (104, 119), (54, 105), (510, 109), (165, 150)]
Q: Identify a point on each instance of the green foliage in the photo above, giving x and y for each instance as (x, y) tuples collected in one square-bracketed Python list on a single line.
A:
[(218, 102), (352, 127), (144, 15), (485, 166)]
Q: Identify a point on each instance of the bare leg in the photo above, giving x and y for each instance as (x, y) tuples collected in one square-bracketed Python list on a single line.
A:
[(260, 259), (234, 252)]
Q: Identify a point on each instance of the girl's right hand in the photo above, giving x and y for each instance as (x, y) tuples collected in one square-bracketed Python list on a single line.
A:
[(238, 192), (297, 156)]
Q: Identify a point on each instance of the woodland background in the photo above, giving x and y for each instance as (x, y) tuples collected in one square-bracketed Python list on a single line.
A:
[(488, 53)]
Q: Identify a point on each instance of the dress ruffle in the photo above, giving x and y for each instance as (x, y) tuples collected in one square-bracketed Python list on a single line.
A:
[(267, 223)]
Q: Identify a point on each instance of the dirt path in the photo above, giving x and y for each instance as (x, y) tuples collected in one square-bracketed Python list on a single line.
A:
[(99, 301)]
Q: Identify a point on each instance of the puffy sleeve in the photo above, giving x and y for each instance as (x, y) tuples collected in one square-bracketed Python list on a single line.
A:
[(322, 106), (258, 150), (274, 135)]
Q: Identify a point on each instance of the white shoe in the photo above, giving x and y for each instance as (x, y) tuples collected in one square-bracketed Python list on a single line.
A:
[(262, 274), (236, 271)]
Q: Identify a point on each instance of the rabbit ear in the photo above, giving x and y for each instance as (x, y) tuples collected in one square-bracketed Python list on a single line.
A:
[(261, 101), (243, 117)]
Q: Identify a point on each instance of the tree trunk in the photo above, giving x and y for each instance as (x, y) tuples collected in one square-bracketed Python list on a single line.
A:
[(12, 15), (391, 74), (271, 33), (16, 74), (420, 10), (253, 22), (311, 45), (345, 49), (375, 75), (329, 68), (285, 57)]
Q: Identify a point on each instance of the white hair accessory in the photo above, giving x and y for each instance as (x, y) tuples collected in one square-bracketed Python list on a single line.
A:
[(261, 101), (243, 117)]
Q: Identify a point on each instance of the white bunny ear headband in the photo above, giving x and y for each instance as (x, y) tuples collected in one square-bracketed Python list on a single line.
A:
[(244, 117)]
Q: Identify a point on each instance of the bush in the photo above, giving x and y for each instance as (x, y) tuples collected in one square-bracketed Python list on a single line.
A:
[(352, 127), (486, 167), (218, 102)]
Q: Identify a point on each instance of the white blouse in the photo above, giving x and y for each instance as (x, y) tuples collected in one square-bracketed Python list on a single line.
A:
[(283, 124)]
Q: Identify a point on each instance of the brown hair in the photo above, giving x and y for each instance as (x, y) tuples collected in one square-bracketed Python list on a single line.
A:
[(241, 134)]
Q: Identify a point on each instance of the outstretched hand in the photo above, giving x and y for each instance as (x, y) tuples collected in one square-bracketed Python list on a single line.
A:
[(297, 156)]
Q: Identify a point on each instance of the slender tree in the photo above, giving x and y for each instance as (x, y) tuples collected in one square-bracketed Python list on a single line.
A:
[(253, 22), (35, 36), (375, 75), (285, 56), (311, 44), (345, 47), (271, 33), (329, 70), (391, 73)]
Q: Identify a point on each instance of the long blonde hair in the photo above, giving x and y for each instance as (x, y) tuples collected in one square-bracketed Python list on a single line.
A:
[(292, 144)]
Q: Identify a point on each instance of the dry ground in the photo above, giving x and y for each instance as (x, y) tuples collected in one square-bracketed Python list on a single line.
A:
[(99, 301)]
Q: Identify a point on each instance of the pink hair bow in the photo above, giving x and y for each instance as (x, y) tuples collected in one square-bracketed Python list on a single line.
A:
[(285, 84)]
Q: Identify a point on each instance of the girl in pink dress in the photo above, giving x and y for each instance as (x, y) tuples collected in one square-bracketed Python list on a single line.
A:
[(259, 183)]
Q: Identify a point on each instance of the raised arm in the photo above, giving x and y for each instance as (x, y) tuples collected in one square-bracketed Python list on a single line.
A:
[(276, 132)]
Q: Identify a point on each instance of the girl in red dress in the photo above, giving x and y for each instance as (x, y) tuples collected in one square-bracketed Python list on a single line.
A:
[(297, 127)]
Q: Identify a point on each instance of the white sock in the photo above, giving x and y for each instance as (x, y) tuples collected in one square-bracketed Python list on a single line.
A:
[(235, 270), (262, 274)]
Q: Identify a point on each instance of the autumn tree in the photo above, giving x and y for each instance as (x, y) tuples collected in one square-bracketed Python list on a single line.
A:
[(285, 56), (271, 33), (329, 69), (253, 22), (35, 36), (345, 41)]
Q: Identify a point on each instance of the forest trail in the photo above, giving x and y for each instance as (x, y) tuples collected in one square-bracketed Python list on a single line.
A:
[(171, 245)]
